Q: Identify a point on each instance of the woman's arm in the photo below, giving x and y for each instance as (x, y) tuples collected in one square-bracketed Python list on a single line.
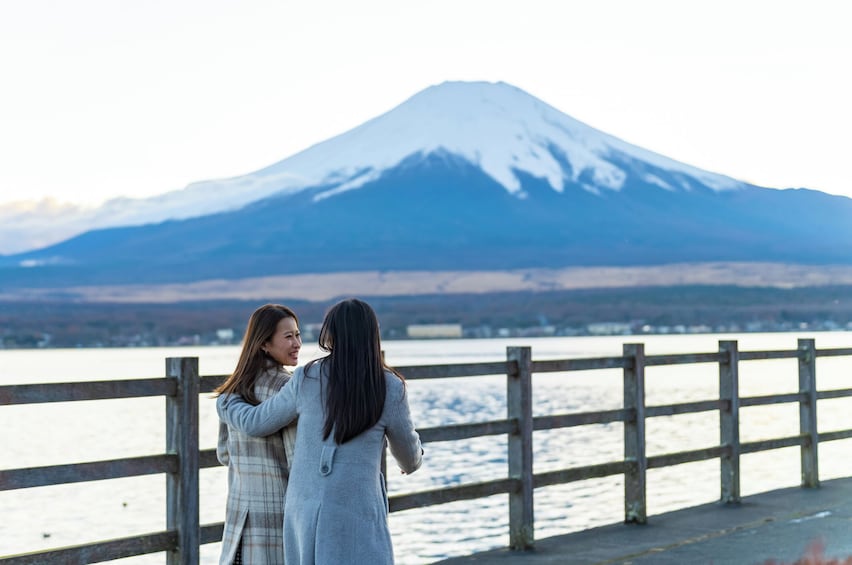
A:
[(267, 417), (403, 439)]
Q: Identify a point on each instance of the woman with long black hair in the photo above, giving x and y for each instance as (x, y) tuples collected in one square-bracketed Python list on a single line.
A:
[(347, 403)]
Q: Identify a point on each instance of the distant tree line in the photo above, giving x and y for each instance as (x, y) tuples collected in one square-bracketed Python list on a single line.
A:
[(70, 324)]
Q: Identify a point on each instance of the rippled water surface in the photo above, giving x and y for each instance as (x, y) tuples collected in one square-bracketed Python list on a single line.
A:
[(69, 432)]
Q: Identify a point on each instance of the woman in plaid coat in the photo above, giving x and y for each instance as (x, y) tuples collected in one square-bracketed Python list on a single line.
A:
[(259, 467), (348, 404)]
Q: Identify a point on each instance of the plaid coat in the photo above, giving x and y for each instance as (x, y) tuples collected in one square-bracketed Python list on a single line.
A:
[(258, 471)]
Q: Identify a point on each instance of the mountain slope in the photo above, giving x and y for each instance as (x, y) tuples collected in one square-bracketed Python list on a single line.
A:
[(497, 127), (442, 212), (463, 176)]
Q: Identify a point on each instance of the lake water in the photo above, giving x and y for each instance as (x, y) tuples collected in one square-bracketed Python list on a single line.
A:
[(69, 432)]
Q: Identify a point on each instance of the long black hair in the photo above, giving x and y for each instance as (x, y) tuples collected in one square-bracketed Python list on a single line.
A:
[(355, 369)]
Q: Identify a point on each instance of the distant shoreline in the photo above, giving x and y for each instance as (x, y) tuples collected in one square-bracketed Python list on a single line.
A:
[(327, 286), (191, 314)]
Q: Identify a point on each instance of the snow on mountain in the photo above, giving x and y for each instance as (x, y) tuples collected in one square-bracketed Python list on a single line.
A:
[(496, 126)]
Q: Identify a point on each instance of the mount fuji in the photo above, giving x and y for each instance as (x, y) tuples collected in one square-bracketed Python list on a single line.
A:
[(461, 176)]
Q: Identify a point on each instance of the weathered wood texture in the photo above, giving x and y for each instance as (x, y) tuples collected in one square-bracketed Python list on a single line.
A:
[(520, 448), (635, 462), (729, 421), (808, 413), (182, 460), (182, 504)]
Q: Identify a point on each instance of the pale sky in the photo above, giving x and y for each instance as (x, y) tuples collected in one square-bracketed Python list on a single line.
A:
[(108, 98)]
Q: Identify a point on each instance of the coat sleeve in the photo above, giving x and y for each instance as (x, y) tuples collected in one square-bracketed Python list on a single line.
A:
[(267, 417), (222, 445), (288, 435), (403, 439)]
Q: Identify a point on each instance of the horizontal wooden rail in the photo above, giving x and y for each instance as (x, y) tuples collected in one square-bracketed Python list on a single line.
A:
[(207, 458), (455, 432), (768, 355), (99, 551), (549, 478), (113, 549), (669, 459), (211, 533), (833, 436), (92, 390), (836, 393), (776, 443), (566, 365), (182, 387), (83, 472), (682, 359), (451, 494), (209, 383), (458, 370), (683, 408), (836, 352), (771, 399), (579, 419)]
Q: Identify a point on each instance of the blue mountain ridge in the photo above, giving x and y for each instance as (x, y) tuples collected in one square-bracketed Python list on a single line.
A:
[(438, 211)]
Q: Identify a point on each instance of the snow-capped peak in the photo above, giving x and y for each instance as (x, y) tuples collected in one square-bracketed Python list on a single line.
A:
[(496, 126)]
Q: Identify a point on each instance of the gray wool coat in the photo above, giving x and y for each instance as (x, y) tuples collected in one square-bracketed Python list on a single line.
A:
[(336, 507), (257, 482)]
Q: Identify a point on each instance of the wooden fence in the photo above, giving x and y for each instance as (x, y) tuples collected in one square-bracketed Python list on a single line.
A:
[(183, 459)]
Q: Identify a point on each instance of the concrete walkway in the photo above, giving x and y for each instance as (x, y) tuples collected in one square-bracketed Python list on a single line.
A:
[(780, 525)]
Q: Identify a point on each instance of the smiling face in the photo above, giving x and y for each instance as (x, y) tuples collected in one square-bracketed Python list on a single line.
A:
[(285, 343)]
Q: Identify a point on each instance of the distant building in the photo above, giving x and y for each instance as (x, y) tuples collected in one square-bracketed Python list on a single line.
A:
[(609, 328), (225, 335), (423, 331), (189, 340), (310, 332)]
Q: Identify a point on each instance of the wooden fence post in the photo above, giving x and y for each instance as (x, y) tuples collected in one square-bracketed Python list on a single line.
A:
[(182, 513), (520, 450), (808, 413), (729, 420), (635, 459)]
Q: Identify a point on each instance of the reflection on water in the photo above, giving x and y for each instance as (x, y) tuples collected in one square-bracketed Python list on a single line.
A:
[(48, 434)]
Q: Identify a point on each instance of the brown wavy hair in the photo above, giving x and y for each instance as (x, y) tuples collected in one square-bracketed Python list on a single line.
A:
[(253, 361)]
